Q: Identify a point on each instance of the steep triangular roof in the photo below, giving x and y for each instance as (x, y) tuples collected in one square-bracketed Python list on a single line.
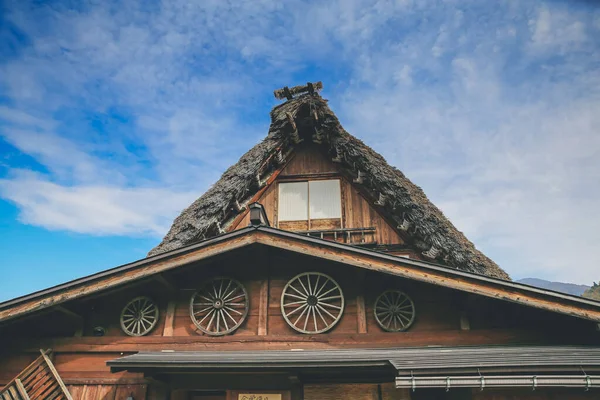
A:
[(308, 117)]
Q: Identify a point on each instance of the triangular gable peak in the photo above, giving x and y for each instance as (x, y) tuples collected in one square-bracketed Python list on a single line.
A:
[(359, 223), (308, 119)]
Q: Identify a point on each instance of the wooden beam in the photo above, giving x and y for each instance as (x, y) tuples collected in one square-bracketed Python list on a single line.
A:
[(125, 277), (438, 277), (465, 325), (361, 313), (128, 344), (235, 223), (167, 282), (263, 308), (21, 389), (78, 318), (66, 393), (170, 319), (68, 312)]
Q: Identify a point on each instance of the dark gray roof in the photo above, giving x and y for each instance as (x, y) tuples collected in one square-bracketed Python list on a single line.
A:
[(404, 360), (405, 203)]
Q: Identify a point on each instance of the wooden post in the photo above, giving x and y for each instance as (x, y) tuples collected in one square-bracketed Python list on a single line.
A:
[(263, 308), (361, 312), (465, 325), (170, 319), (297, 391), (263, 302)]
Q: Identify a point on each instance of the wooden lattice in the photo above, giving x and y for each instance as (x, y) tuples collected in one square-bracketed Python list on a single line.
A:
[(38, 381)]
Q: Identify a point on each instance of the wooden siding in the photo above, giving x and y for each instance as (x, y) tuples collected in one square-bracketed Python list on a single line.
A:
[(385, 391), (82, 360), (38, 380), (309, 163)]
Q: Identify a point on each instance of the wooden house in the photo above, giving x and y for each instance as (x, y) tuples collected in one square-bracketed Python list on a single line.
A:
[(311, 270)]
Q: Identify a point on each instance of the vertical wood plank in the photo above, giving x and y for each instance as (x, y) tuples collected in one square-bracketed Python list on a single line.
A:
[(170, 319), (263, 308), (137, 391), (361, 312), (465, 325)]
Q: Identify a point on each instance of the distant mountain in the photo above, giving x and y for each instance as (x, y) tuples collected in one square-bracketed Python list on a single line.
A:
[(569, 288)]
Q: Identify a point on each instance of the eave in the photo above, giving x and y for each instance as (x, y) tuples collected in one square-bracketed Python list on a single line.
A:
[(358, 257)]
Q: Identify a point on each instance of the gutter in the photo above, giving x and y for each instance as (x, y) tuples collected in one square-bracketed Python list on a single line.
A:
[(499, 381)]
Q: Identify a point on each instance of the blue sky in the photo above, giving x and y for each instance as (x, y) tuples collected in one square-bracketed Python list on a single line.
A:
[(114, 116)]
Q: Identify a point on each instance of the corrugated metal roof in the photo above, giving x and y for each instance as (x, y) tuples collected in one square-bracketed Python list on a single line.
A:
[(402, 359)]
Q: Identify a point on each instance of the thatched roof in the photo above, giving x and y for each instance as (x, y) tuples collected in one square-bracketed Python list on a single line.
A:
[(308, 117)]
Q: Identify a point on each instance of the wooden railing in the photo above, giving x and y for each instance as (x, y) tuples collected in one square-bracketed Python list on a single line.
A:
[(39, 380), (345, 235)]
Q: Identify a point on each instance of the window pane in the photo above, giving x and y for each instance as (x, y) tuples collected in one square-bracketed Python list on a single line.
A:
[(325, 199), (293, 201)]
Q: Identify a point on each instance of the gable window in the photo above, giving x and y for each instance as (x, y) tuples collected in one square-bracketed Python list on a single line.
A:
[(310, 205)]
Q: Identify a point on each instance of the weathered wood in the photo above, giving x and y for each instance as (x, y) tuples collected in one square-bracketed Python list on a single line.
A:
[(21, 389), (56, 375), (361, 313), (399, 267), (114, 346), (263, 308), (235, 224), (166, 282), (124, 277), (288, 93), (79, 320), (170, 319), (465, 325)]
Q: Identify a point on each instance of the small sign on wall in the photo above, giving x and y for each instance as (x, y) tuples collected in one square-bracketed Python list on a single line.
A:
[(257, 396)]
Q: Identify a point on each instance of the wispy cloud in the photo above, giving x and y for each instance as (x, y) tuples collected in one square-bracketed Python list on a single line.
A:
[(492, 108)]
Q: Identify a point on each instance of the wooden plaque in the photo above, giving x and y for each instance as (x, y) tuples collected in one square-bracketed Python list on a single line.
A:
[(258, 396)]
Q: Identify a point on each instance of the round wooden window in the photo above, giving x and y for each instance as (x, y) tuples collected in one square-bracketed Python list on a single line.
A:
[(312, 302), (220, 306), (394, 311), (139, 316)]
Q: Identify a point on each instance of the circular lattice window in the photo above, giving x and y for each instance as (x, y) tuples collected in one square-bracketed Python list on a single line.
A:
[(139, 316), (312, 302), (220, 306), (394, 311)]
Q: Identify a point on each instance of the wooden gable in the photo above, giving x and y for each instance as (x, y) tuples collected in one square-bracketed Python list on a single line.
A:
[(444, 315), (310, 163)]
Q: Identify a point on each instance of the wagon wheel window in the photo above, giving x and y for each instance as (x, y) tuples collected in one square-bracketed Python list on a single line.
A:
[(394, 311), (139, 316), (312, 302), (220, 306)]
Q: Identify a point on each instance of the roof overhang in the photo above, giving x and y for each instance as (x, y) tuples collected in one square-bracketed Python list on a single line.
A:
[(495, 366), (350, 255)]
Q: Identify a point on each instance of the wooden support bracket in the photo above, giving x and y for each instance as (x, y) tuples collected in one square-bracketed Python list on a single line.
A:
[(465, 324), (167, 283), (170, 319), (76, 317)]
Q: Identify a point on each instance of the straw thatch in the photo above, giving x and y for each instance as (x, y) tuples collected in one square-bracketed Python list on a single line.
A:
[(308, 117)]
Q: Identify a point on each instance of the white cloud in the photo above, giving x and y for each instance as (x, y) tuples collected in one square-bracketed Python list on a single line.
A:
[(95, 210), (492, 108), (509, 154), (21, 118)]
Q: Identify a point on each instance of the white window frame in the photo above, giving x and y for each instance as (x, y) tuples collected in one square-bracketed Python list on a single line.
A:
[(308, 202)]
